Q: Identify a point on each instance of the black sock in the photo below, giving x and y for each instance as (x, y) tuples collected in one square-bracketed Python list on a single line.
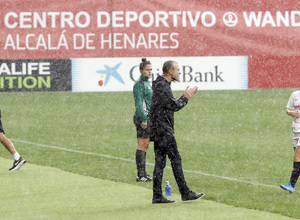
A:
[(140, 158), (295, 174), (144, 166)]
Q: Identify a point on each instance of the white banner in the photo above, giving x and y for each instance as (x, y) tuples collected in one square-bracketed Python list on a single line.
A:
[(120, 74)]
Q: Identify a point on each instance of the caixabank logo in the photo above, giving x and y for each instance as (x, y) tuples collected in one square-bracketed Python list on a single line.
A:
[(35, 75), (100, 74), (109, 72), (120, 74)]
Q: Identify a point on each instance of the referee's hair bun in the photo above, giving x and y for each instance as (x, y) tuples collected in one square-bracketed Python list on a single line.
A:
[(144, 59)]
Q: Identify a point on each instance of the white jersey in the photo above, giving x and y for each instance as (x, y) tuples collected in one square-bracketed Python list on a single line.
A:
[(294, 104)]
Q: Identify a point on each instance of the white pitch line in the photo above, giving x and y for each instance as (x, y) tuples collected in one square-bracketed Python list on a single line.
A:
[(133, 161), (70, 150), (232, 179)]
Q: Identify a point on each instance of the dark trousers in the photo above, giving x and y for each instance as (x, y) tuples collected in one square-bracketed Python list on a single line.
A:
[(164, 146)]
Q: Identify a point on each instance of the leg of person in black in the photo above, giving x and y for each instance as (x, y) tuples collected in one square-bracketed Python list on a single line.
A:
[(160, 163), (175, 159), (167, 146)]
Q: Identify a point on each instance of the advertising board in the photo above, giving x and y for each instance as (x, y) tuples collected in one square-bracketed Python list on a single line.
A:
[(266, 32), (120, 74), (35, 75)]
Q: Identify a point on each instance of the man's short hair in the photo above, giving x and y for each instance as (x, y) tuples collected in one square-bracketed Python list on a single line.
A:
[(167, 66)]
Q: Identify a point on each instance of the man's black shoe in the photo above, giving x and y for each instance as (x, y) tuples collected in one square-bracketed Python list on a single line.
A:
[(191, 196), (161, 200)]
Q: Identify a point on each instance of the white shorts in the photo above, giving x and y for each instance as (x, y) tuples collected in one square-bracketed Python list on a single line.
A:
[(296, 142), (296, 136)]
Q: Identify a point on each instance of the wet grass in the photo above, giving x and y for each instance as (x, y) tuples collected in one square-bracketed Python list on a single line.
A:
[(41, 192), (235, 145)]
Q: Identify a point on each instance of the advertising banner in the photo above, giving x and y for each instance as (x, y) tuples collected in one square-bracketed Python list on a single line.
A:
[(35, 75), (120, 74), (267, 32)]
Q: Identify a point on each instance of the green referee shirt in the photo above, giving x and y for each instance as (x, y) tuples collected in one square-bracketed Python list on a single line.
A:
[(142, 93)]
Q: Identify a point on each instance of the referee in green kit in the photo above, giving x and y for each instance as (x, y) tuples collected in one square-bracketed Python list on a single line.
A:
[(142, 93)]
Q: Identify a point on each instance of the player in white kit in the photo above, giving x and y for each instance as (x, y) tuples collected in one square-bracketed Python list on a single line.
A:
[(293, 110)]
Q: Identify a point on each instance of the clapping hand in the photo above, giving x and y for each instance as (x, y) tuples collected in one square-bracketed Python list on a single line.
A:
[(189, 92)]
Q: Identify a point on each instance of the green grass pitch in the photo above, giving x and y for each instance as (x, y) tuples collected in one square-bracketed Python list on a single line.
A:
[(235, 145)]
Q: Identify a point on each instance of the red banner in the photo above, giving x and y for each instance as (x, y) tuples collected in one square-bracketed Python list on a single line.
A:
[(268, 33)]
